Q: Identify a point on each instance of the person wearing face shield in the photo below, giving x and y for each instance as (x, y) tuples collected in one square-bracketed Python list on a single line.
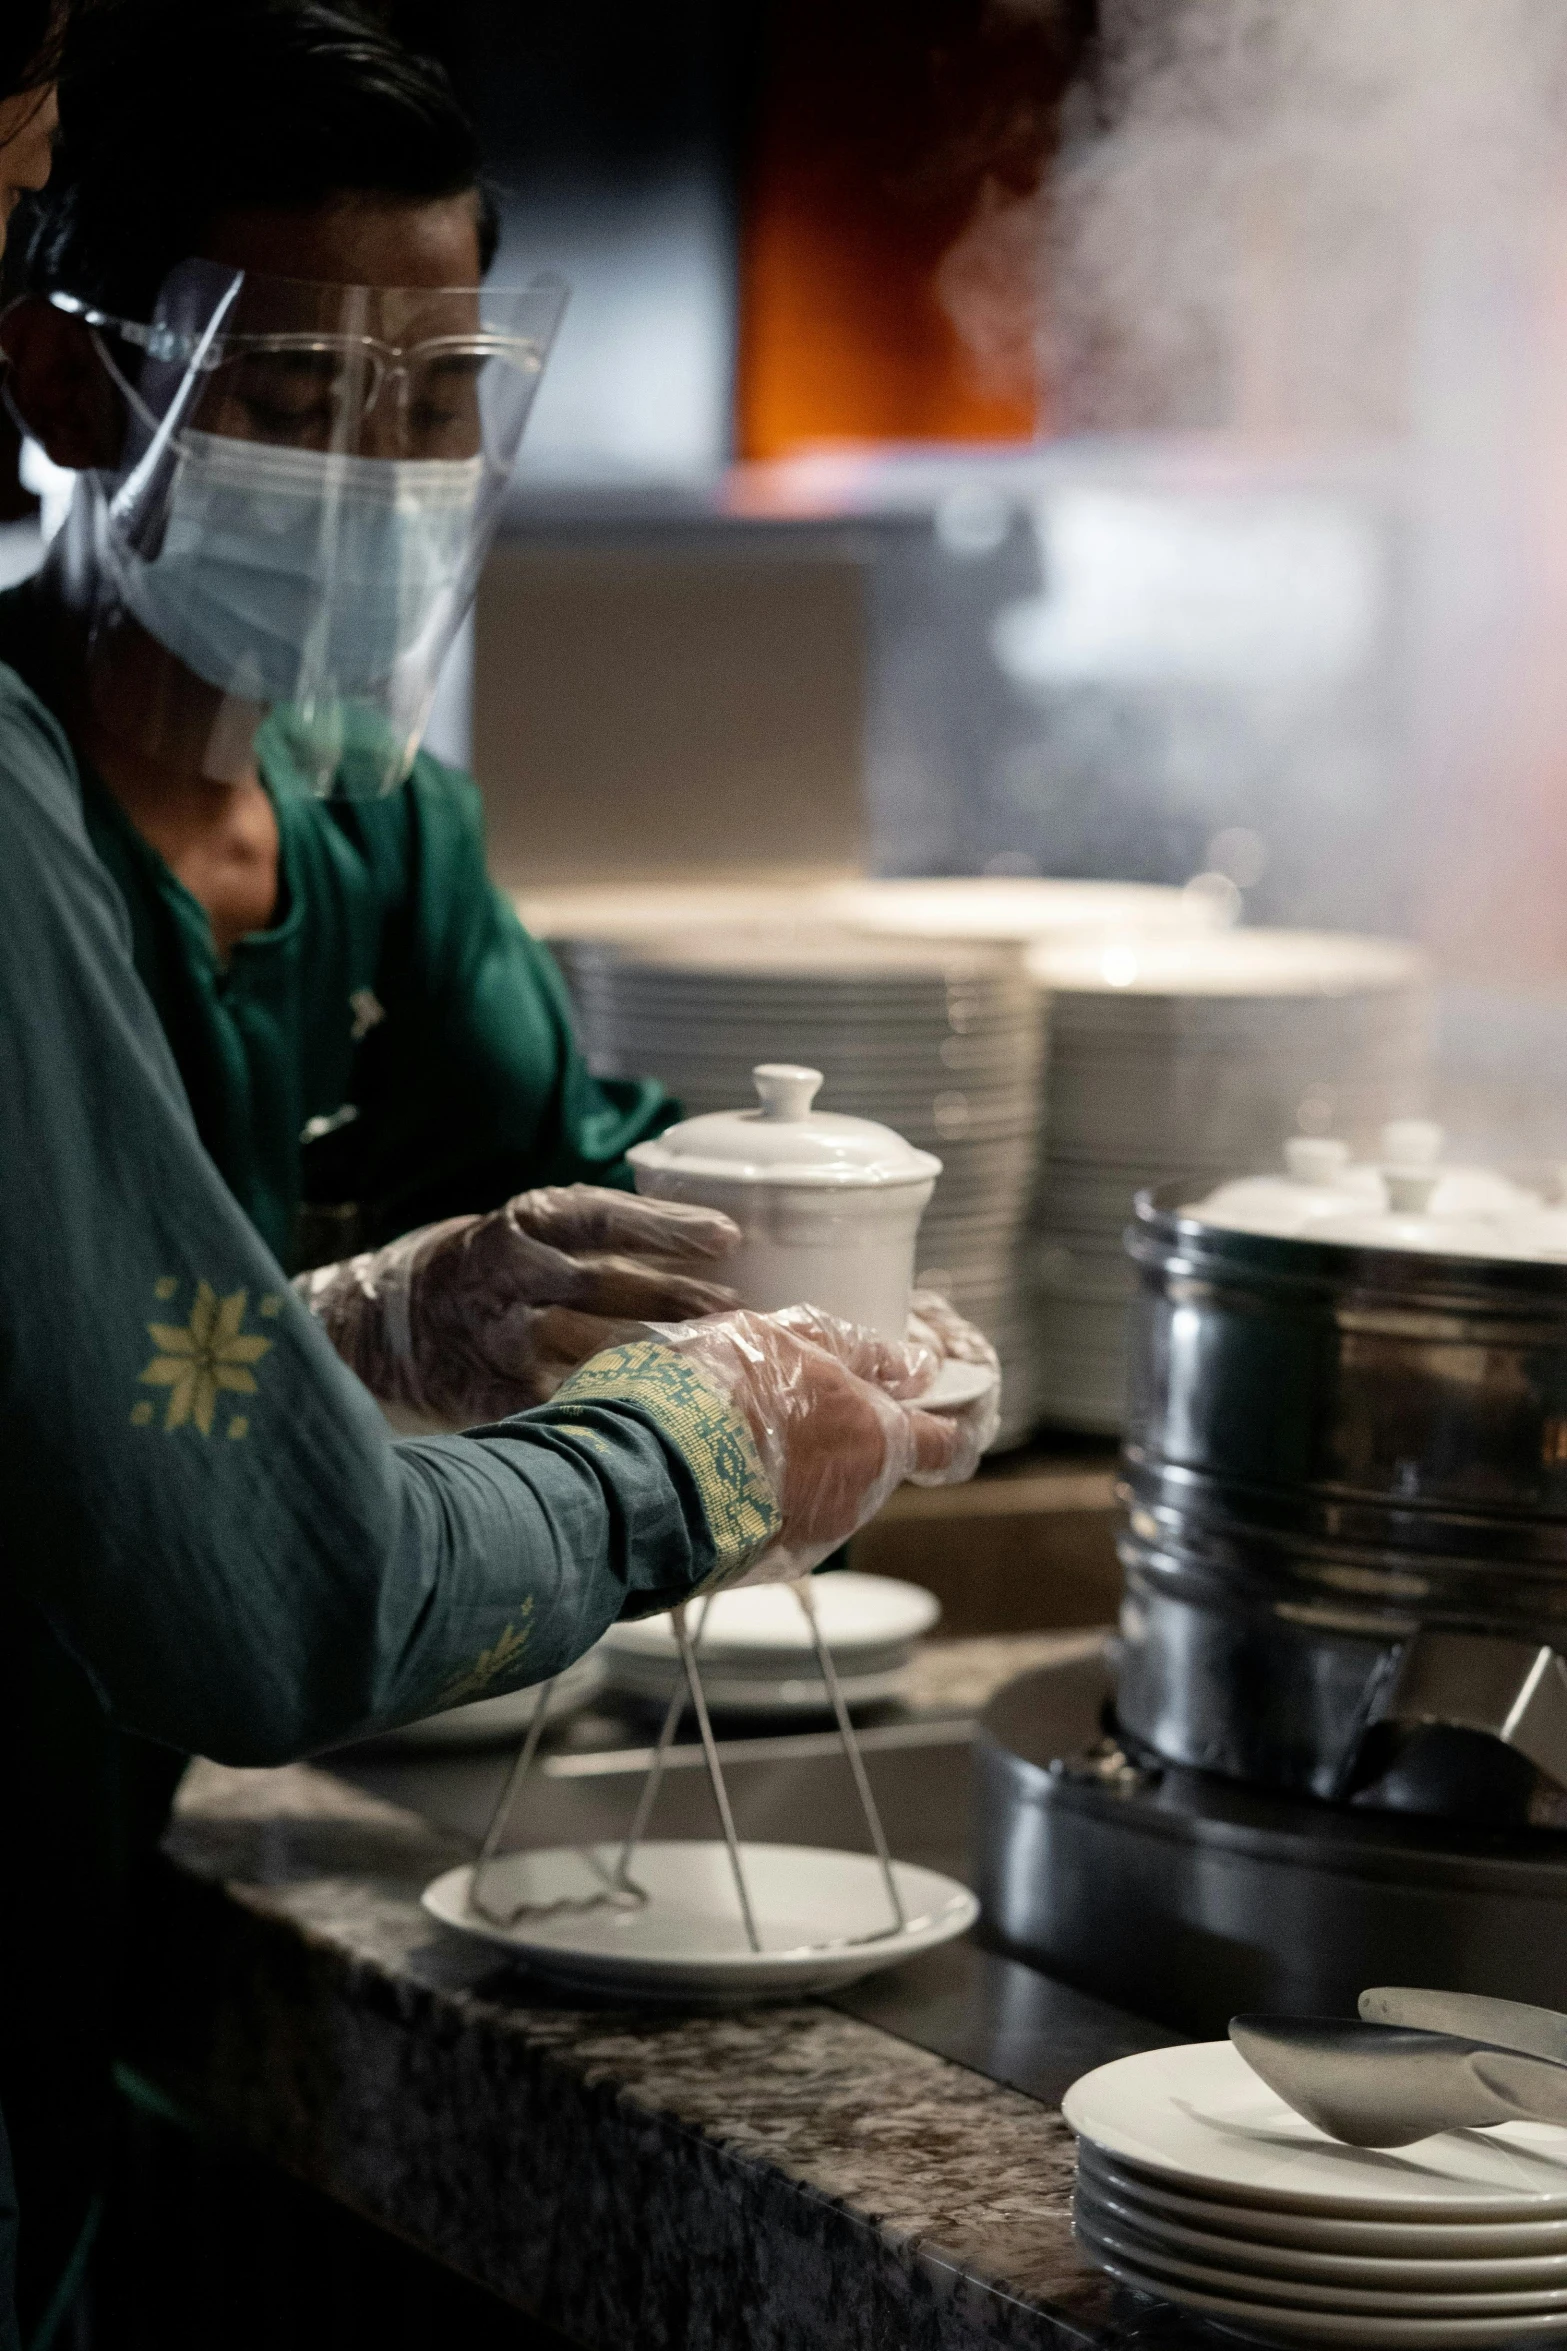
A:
[(207, 1538), (241, 626)]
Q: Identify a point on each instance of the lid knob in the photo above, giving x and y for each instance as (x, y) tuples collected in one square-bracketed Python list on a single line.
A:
[(1412, 1142), (786, 1091), (1315, 1159)]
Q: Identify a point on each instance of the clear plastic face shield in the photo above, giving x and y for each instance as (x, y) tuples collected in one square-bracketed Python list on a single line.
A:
[(311, 479)]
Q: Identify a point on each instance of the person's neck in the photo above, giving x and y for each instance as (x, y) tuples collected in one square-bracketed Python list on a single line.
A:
[(217, 832)]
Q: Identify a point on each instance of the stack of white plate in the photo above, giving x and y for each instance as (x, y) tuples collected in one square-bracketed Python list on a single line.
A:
[(942, 1042), (1196, 2183), (757, 1655), (1190, 1057)]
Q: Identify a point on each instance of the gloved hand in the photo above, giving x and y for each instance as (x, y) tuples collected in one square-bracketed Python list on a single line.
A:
[(833, 1411), (935, 1322), (482, 1316)]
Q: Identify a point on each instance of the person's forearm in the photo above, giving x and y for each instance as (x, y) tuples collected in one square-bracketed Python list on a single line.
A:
[(459, 1568)]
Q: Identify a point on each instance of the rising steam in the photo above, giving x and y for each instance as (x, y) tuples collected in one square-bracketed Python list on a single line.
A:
[(1340, 227), (1258, 201)]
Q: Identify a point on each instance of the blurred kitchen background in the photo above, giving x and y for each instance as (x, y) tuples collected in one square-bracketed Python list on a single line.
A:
[(1012, 438), (1032, 437)]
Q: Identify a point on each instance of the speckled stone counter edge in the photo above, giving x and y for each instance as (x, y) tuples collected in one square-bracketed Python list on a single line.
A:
[(780, 2178)]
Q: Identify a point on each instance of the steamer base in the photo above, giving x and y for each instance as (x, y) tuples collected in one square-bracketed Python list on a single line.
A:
[(1188, 1898)]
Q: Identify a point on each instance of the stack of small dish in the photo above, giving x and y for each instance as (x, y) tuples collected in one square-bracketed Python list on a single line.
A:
[(1185, 1057), (1198, 2184), (756, 1653), (944, 1043)]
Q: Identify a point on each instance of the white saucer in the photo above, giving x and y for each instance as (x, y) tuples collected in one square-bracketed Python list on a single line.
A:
[(956, 1385), (687, 1943), (1199, 2117)]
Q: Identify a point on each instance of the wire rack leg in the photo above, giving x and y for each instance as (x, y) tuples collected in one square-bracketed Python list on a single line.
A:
[(503, 1810), (655, 1777), (715, 1774), (851, 1747)]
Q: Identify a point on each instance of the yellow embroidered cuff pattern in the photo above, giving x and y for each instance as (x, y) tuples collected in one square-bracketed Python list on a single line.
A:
[(711, 1438)]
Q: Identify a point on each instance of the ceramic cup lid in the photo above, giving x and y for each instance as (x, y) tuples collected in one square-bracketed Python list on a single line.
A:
[(786, 1141)]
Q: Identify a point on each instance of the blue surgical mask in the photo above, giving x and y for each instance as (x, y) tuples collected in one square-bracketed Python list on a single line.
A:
[(291, 576)]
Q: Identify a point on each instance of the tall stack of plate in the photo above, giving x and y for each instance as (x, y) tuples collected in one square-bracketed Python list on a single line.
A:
[(1193, 1057), (1197, 2184), (942, 1042)]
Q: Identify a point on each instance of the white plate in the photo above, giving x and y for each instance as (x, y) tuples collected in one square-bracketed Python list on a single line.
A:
[(1199, 2116), (1269, 2322), (1324, 2232), (1378, 2297), (688, 1943), (763, 1628)]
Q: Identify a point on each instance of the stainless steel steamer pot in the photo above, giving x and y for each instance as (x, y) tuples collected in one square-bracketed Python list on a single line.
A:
[(1346, 1515)]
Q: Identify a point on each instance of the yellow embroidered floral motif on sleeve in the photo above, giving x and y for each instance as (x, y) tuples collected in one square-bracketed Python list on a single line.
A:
[(717, 1447), (198, 1359), (489, 1665)]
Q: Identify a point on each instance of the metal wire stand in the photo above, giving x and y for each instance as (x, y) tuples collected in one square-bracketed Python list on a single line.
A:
[(619, 1889)]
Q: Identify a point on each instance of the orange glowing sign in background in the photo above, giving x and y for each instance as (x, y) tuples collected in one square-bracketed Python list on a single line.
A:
[(890, 247)]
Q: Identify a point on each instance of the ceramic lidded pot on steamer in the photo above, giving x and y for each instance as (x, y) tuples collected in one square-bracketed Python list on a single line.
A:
[(829, 1206)]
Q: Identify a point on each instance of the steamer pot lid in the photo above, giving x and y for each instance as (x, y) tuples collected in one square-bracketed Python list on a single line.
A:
[(1407, 1223), (787, 1141), (1316, 1181), (1411, 1201)]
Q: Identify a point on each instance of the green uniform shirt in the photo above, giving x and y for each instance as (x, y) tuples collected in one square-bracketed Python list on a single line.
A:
[(396, 1046), (196, 1497)]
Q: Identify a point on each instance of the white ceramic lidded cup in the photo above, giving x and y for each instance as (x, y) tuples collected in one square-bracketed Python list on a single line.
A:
[(829, 1206)]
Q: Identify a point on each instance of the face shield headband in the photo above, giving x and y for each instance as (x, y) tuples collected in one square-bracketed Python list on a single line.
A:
[(311, 480)]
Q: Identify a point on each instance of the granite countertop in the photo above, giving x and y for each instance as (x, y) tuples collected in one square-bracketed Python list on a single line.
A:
[(788, 2176)]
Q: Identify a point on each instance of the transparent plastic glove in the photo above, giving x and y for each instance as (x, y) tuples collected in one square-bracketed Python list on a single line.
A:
[(935, 1322), (833, 1411), (483, 1316)]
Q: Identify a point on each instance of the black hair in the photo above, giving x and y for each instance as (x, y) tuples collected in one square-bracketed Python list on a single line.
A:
[(32, 36), (224, 103)]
